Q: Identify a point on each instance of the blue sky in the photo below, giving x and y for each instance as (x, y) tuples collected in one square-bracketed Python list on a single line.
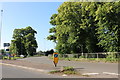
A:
[(35, 14)]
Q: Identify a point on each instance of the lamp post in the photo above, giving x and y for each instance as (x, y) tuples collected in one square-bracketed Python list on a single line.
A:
[(44, 44), (1, 27)]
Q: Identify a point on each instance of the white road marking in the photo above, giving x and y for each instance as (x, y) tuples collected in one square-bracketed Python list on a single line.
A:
[(64, 75), (24, 67), (109, 73), (90, 73), (41, 70)]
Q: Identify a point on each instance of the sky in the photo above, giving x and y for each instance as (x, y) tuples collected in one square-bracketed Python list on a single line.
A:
[(18, 15)]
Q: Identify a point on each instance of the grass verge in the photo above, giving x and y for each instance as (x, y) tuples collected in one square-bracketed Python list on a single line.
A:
[(110, 60), (11, 58), (65, 70)]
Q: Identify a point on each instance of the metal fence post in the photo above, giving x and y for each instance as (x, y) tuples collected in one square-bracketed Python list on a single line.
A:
[(97, 56), (86, 55)]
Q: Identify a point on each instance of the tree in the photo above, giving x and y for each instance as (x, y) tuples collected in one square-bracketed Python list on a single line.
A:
[(30, 40), (86, 27), (2, 51), (108, 17), (24, 41), (73, 26)]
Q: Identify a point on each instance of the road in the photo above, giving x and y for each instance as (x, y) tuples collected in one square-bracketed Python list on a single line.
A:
[(42, 62), (98, 67), (15, 72)]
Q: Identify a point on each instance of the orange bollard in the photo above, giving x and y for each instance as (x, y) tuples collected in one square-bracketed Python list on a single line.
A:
[(55, 59)]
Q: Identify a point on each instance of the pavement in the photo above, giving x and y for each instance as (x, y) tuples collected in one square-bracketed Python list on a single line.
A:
[(44, 64)]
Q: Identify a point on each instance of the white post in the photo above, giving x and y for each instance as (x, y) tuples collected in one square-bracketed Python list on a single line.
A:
[(86, 55), (1, 27), (97, 56)]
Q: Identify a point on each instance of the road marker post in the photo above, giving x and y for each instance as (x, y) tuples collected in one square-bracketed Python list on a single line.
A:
[(55, 59)]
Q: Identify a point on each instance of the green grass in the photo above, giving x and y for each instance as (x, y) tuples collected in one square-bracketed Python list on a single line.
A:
[(56, 71), (69, 72), (66, 70), (111, 60), (5, 57)]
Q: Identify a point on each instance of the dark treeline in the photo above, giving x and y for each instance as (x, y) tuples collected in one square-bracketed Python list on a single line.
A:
[(24, 41)]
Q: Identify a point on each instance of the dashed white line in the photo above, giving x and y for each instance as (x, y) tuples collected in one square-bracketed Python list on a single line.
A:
[(64, 75), (90, 73), (109, 73)]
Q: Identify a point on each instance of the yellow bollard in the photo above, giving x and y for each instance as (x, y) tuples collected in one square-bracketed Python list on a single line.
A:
[(55, 59)]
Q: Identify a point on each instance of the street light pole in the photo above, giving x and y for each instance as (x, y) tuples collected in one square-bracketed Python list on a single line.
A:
[(44, 44), (1, 27)]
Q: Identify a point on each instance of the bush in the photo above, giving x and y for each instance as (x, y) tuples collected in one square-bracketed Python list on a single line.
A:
[(111, 57), (81, 57)]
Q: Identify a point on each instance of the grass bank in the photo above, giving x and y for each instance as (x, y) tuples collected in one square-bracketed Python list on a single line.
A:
[(110, 60)]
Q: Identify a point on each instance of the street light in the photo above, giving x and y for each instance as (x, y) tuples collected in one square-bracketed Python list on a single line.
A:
[(45, 44), (1, 26)]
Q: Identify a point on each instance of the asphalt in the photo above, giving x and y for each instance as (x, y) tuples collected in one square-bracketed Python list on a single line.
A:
[(15, 72), (102, 70), (98, 67)]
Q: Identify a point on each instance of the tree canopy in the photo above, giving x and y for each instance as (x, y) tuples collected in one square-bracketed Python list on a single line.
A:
[(24, 41), (86, 27)]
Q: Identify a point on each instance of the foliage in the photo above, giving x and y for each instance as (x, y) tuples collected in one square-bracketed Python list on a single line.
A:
[(2, 51), (24, 41), (50, 51), (86, 27), (108, 17)]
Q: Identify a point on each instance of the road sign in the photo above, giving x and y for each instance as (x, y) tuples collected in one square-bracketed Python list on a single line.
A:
[(55, 58), (55, 55), (6, 44)]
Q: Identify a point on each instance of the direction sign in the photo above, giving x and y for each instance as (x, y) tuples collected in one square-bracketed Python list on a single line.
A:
[(55, 55), (6, 44)]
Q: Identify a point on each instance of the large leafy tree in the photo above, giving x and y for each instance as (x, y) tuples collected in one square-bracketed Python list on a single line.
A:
[(78, 27), (24, 41), (108, 17), (74, 30)]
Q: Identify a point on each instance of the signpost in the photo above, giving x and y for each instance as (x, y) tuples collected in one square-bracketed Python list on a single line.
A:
[(6, 44), (7, 50), (55, 59)]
